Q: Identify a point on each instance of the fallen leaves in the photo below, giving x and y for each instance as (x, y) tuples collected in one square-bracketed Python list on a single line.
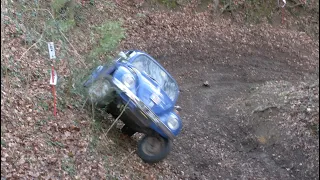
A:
[(36, 145)]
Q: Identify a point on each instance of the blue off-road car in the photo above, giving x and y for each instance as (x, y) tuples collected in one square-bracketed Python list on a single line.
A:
[(139, 90)]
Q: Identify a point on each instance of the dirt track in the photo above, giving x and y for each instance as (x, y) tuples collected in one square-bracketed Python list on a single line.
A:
[(215, 143), (222, 139)]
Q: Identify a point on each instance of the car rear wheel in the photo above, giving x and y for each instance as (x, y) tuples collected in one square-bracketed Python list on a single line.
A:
[(153, 148)]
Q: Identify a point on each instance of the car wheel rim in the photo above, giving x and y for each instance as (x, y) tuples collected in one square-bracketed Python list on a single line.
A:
[(153, 145)]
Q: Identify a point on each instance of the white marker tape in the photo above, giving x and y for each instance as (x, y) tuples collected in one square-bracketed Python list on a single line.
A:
[(53, 77), (284, 3), (52, 53)]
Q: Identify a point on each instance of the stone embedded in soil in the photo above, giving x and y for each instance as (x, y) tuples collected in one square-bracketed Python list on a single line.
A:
[(206, 84)]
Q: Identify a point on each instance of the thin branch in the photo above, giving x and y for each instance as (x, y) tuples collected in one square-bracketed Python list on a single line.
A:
[(104, 135), (74, 49), (92, 108), (294, 1), (85, 102), (25, 52), (126, 157), (124, 108), (224, 8), (296, 5)]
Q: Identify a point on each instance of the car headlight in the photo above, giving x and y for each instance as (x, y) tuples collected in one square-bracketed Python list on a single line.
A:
[(173, 123), (128, 80)]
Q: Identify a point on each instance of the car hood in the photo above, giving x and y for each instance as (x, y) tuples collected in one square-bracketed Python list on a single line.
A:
[(147, 88)]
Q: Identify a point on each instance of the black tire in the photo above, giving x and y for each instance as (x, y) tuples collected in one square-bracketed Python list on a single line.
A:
[(149, 155), (127, 130)]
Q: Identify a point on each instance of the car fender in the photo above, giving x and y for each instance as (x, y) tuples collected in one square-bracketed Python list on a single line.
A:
[(164, 119)]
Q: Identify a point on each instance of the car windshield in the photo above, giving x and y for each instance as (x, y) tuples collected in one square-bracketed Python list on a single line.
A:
[(156, 72)]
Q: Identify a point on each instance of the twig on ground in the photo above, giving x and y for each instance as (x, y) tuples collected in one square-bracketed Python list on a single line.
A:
[(125, 158)]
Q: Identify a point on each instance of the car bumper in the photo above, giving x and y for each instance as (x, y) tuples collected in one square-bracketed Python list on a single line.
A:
[(146, 111)]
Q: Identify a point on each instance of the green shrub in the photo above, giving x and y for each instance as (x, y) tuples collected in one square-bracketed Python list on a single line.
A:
[(111, 33), (64, 12)]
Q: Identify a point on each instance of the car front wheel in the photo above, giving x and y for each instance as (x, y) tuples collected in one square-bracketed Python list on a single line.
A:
[(153, 148), (100, 92)]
